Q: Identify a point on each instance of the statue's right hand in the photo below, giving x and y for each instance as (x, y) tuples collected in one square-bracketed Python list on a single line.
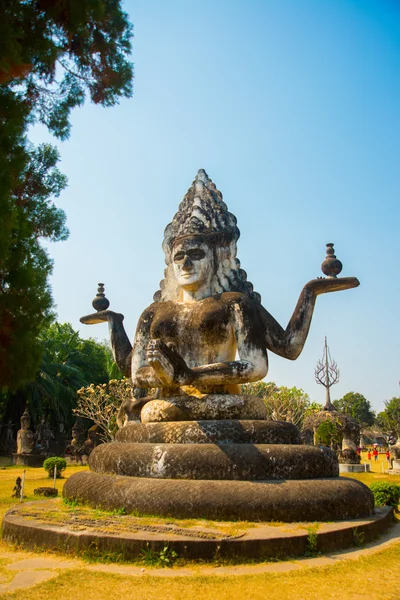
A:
[(102, 316)]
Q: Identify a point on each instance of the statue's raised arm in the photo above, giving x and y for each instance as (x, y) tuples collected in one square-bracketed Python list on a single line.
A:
[(290, 342), (206, 331)]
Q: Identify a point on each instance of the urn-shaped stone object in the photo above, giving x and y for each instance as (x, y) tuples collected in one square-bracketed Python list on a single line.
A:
[(100, 302), (331, 267)]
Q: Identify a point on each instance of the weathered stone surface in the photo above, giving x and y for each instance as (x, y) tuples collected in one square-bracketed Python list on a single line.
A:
[(205, 432), (320, 500), (260, 542), (215, 461), (209, 407), (350, 468)]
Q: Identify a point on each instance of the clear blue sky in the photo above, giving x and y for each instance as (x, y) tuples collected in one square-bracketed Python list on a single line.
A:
[(293, 109)]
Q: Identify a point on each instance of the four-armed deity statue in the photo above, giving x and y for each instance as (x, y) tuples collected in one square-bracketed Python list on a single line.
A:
[(194, 446), (205, 314)]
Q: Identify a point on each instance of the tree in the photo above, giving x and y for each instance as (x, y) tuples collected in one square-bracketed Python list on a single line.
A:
[(52, 54), (28, 214), (68, 363), (389, 419), (101, 404), (357, 406), (283, 404)]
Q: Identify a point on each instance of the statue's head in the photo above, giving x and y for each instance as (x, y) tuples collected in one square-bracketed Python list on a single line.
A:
[(200, 246), (193, 263), (25, 420)]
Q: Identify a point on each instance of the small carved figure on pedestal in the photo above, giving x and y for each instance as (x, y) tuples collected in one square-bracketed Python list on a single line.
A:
[(17, 488)]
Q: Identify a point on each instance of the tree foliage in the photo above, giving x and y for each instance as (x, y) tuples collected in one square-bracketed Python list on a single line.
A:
[(283, 404), (68, 363), (53, 53), (101, 404), (357, 406), (27, 214), (389, 419)]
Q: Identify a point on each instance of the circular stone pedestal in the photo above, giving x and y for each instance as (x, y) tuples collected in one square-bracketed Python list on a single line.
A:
[(219, 469), (288, 501), (215, 461)]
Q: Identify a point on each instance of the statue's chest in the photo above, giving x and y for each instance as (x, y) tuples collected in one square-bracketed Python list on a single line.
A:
[(200, 322)]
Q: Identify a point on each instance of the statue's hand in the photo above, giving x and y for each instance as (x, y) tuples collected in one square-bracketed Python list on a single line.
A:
[(102, 316), (168, 365), (324, 285)]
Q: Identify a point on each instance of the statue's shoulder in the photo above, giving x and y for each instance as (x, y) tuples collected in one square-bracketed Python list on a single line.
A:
[(150, 311), (238, 299)]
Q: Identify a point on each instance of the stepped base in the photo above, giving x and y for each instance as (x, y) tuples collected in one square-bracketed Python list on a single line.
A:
[(209, 432), (215, 461), (288, 501), (208, 407), (131, 536)]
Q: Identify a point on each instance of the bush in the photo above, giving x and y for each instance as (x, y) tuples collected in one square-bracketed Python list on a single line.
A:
[(50, 463), (385, 493)]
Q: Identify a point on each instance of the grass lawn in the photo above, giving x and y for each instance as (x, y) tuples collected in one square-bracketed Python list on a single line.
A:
[(373, 576)]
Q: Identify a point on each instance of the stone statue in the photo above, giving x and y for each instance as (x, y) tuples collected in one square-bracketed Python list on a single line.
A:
[(44, 435), (9, 442), (91, 441), (25, 438), (200, 445), (78, 437), (205, 313), (17, 489)]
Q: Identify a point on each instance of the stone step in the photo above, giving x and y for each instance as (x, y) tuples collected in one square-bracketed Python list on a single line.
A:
[(316, 500), (215, 461), (206, 432)]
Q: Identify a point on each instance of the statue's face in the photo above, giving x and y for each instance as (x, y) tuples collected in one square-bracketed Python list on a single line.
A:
[(193, 264)]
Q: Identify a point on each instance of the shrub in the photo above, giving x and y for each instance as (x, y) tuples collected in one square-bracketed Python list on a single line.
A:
[(51, 462), (385, 493)]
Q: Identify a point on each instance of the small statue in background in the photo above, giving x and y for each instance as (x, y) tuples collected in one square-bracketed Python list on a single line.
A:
[(74, 448), (17, 488), (44, 435), (9, 445), (91, 442), (25, 438)]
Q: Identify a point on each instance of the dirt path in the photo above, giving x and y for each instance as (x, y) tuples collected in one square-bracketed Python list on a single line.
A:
[(24, 569)]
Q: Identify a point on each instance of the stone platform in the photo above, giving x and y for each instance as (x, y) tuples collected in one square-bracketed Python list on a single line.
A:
[(215, 461), (348, 468), (288, 501), (219, 469), (28, 460), (211, 431), (35, 524)]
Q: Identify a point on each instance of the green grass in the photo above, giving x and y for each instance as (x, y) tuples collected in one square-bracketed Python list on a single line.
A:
[(373, 576)]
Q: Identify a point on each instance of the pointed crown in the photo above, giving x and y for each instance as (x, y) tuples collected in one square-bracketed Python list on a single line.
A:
[(202, 212)]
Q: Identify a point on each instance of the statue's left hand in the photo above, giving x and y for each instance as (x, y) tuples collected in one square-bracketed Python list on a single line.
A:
[(168, 365), (102, 316), (323, 285)]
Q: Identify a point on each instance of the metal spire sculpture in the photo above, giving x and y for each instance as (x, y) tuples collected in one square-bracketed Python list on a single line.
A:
[(327, 374)]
